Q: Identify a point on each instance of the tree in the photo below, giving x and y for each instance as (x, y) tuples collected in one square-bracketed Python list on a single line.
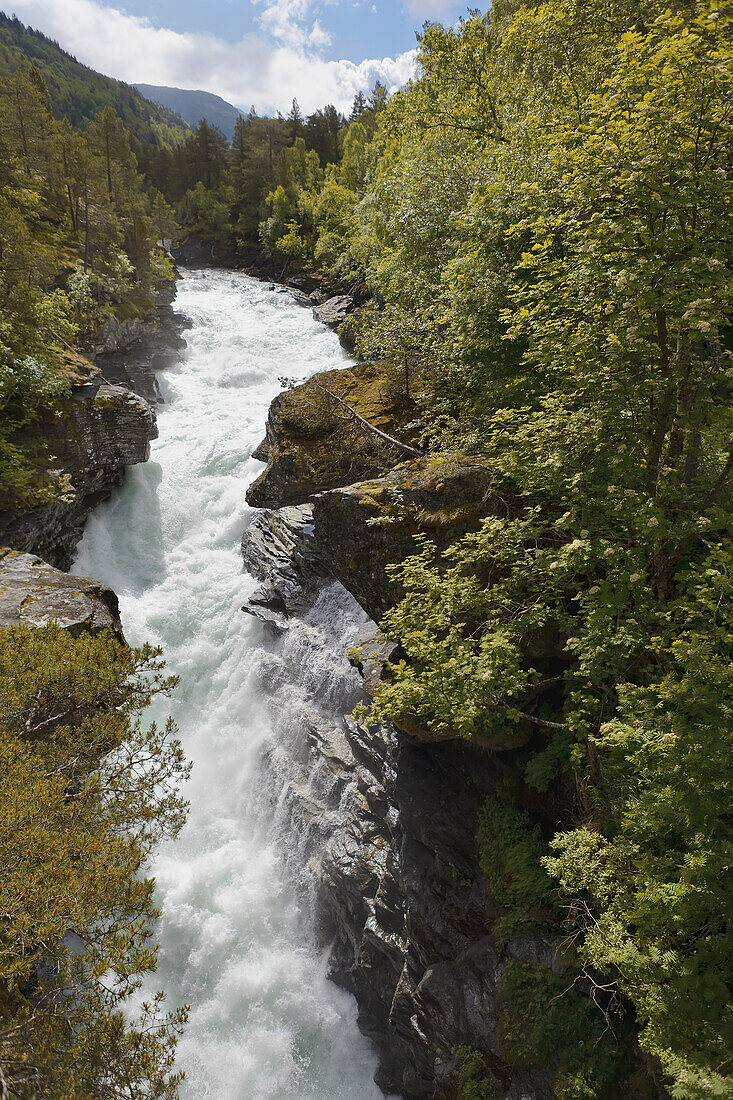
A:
[(86, 791), (549, 224), (295, 120), (206, 153), (112, 144), (378, 98), (358, 108)]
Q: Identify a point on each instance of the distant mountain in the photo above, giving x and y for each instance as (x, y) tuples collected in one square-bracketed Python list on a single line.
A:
[(79, 93), (193, 106)]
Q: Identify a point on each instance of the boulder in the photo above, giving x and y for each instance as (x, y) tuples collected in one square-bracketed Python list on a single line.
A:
[(334, 310), (439, 496), (33, 593), (313, 443)]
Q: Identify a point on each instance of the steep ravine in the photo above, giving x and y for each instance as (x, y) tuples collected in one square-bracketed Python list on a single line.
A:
[(316, 849), (105, 426), (237, 936)]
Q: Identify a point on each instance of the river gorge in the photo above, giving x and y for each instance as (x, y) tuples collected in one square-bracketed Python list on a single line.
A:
[(236, 931)]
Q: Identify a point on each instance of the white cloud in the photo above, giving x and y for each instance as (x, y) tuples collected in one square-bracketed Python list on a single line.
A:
[(287, 21), (430, 9), (268, 68)]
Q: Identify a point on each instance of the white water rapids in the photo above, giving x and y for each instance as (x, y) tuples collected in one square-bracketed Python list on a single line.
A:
[(235, 933)]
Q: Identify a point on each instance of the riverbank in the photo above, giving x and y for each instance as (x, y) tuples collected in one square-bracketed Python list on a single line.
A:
[(104, 426)]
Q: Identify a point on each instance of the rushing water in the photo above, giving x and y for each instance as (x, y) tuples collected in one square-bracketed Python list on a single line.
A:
[(235, 938)]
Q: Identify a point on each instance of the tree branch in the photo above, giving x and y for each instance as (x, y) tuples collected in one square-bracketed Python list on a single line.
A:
[(413, 452)]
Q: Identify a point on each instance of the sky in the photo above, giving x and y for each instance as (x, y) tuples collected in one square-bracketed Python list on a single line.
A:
[(261, 52)]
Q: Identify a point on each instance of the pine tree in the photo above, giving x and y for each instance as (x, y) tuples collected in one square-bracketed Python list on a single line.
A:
[(295, 120), (359, 107)]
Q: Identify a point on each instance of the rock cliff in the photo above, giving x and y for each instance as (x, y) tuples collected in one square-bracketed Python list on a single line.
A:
[(401, 899), (106, 425), (100, 431), (313, 443), (370, 525), (129, 352)]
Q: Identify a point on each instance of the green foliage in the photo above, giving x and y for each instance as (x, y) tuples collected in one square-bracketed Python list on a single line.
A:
[(86, 791), (291, 184), (77, 245), (543, 1022), (547, 220), (473, 1084), (659, 879), (511, 850)]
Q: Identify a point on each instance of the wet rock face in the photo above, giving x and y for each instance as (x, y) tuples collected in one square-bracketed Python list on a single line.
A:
[(400, 896), (278, 547), (129, 352), (102, 430), (313, 443), (441, 497), (33, 593), (402, 902)]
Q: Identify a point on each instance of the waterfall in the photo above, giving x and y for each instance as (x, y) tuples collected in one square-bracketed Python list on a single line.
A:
[(236, 936)]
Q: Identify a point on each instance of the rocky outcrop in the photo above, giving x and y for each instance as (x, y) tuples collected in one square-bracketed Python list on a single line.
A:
[(334, 311), (100, 431), (370, 525), (313, 443), (105, 426), (32, 593), (279, 549), (403, 902), (129, 352)]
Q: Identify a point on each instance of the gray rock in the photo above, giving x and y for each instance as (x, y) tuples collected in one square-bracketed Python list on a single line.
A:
[(100, 432), (371, 650), (335, 310), (130, 352), (312, 443), (438, 496), (401, 900), (278, 547), (33, 593), (301, 299)]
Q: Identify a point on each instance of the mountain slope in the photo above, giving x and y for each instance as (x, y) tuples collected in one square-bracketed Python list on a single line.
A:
[(79, 93), (194, 105)]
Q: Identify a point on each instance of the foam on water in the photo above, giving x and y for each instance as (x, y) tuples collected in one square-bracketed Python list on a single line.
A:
[(236, 943)]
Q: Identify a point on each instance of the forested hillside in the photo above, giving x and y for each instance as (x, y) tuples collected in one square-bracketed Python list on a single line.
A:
[(78, 93), (78, 244), (544, 218), (226, 191), (193, 106)]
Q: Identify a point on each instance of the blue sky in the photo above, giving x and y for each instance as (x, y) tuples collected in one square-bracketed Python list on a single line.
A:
[(248, 51), (370, 28)]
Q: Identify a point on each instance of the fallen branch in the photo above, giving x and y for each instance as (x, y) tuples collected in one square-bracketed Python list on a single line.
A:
[(413, 452)]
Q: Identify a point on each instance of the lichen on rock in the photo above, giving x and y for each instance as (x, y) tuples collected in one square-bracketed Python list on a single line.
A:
[(33, 593), (313, 444)]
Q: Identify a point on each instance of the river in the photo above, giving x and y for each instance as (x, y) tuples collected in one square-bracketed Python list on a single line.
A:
[(236, 934)]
